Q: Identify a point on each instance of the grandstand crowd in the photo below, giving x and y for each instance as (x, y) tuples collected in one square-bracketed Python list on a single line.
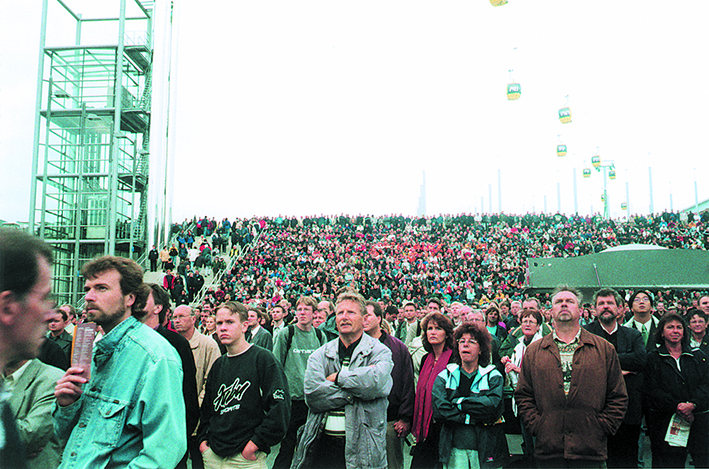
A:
[(474, 259), (348, 341)]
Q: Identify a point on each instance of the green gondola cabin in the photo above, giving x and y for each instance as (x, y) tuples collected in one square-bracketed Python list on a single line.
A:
[(514, 91), (596, 161), (565, 115), (561, 150), (587, 172)]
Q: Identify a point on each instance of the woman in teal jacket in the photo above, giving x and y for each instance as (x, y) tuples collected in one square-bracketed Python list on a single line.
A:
[(467, 398)]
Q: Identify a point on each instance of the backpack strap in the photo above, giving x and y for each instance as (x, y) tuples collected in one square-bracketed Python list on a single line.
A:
[(291, 332), (289, 341)]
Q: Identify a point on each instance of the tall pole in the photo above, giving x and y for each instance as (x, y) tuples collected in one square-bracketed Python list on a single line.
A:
[(489, 202), (627, 200), (696, 194), (576, 197), (499, 190), (37, 117), (606, 209), (558, 197), (652, 205)]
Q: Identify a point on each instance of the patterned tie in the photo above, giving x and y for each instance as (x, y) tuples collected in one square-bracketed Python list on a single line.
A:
[(645, 333)]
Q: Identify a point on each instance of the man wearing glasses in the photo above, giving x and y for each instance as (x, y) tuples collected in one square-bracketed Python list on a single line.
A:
[(643, 319)]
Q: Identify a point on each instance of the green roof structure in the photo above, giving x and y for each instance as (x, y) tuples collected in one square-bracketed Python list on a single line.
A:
[(623, 267)]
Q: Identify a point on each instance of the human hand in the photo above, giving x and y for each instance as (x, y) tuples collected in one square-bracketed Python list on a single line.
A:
[(685, 410), (332, 377), (511, 367), (249, 452), (402, 428), (68, 388), (204, 446)]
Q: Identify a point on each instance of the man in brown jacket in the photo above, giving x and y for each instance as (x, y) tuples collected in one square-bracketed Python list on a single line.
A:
[(571, 394)]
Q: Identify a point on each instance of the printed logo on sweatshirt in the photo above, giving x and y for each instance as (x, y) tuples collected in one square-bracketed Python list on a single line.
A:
[(279, 395), (228, 394)]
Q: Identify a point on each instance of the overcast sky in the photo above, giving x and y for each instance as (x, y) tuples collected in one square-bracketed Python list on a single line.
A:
[(313, 107)]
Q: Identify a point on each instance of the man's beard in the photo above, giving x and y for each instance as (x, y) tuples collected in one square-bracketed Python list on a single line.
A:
[(606, 319)]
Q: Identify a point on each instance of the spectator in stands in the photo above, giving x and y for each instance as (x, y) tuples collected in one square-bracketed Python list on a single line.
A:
[(531, 321), (277, 319), (168, 281), (256, 334), (57, 332), (132, 368), (346, 384), (676, 386), (319, 317), (205, 352), (164, 257), (410, 327), (400, 410), (31, 384), (157, 307), (698, 327), (26, 306), (493, 323), (293, 346), (329, 327), (513, 318), (73, 319), (467, 401), (210, 330), (643, 320), (153, 257), (247, 403), (571, 393), (704, 303), (438, 341), (628, 343)]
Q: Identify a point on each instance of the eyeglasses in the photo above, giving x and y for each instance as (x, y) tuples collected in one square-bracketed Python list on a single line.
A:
[(467, 342), (641, 298)]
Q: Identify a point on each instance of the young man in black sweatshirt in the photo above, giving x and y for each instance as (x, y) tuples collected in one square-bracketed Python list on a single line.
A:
[(246, 407)]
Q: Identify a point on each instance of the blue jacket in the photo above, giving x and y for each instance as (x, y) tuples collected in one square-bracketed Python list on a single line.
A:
[(131, 413)]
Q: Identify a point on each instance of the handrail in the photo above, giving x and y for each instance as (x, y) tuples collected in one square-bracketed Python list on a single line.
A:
[(216, 280)]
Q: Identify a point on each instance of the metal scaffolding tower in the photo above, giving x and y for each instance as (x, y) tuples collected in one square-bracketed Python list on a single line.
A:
[(92, 139)]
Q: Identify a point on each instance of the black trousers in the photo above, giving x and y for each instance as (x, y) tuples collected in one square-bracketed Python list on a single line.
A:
[(561, 463), (195, 453), (298, 416), (425, 453), (330, 453), (698, 444), (623, 447)]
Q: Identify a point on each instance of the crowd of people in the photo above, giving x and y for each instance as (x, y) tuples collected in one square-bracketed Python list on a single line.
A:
[(474, 259), (341, 341)]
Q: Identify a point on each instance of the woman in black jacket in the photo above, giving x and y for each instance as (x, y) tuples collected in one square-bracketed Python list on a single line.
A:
[(676, 383)]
